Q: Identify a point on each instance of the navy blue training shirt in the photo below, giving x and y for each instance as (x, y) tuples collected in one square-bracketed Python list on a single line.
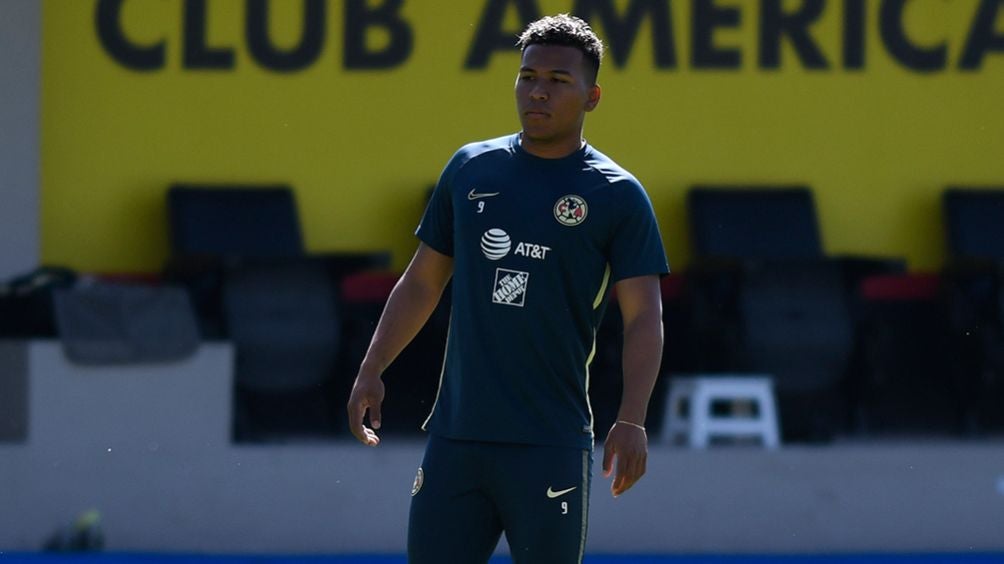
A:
[(537, 244)]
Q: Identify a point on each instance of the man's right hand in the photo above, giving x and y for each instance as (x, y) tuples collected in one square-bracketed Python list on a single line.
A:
[(408, 308), (367, 395)]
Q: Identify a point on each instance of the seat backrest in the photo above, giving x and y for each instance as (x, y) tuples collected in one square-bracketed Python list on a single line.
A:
[(283, 319), (974, 222), (796, 322), (247, 221), (754, 222)]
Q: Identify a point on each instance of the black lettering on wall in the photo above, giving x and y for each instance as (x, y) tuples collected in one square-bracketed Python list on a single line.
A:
[(982, 36), (775, 23), (899, 45), (490, 37), (621, 33), (197, 54), (854, 34), (703, 52), (359, 18), (299, 57), (108, 20)]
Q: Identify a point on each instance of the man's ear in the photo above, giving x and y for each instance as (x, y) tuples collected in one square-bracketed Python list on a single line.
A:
[(593, 98)]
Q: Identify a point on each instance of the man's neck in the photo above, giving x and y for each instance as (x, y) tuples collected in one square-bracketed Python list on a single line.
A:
[(546, 150)]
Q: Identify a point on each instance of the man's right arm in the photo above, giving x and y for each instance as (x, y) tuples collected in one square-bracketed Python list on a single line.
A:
[(408, 308)]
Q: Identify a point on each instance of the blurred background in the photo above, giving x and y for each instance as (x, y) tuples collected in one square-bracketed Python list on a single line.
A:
[(205, 204)]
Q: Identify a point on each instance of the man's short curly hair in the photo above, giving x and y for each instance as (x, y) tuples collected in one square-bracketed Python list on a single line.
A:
[(568, 31)]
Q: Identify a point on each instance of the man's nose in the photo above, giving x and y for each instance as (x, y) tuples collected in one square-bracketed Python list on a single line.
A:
[(538, 93)]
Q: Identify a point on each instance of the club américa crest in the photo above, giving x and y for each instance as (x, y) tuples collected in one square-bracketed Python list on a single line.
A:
[(570, 210)]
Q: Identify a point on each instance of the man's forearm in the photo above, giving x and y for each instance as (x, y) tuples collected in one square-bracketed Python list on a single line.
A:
[(408, 308), (643, 340)]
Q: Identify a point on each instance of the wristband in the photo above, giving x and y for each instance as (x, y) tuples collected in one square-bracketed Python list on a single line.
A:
[(635, 425)]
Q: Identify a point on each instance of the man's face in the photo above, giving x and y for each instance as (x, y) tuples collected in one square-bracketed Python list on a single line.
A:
[(553, 93)]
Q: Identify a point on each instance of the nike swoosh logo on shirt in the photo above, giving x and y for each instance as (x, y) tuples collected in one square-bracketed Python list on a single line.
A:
[(472, 195), (551, 494)]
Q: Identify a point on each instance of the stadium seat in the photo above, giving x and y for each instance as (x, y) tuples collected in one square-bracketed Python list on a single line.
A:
[(904, 382), (230, 246), (214, 226), (974, 222), (282, 317), (766, 299), (215, 221), (754, 223), (974, 288)]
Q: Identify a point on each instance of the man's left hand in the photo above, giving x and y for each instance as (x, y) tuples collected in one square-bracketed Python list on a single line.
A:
[(627, 446)]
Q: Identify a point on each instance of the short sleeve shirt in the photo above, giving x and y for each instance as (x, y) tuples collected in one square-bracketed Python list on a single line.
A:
[(537, 244)]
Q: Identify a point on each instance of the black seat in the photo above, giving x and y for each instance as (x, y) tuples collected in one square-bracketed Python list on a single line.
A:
[(283, 320), (212, 226), (904, 379), (974, 223), (239, 252), (754, 223), (974, 288), (260, 221), (766, 299)]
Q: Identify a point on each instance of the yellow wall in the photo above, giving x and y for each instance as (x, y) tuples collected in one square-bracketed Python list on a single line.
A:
[(878, 144)]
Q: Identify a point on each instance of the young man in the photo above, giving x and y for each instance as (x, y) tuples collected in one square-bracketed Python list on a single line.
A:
[(534, 228)]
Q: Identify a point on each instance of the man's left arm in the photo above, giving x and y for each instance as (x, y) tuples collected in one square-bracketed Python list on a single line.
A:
[(626, 444)]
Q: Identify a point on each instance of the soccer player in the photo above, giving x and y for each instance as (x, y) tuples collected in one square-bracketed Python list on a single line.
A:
[(534, 228)]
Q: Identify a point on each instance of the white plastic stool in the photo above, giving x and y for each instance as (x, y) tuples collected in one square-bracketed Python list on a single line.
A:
[(690, 416)]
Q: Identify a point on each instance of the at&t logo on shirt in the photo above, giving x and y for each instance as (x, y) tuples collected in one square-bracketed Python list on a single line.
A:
[(496, 244)]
